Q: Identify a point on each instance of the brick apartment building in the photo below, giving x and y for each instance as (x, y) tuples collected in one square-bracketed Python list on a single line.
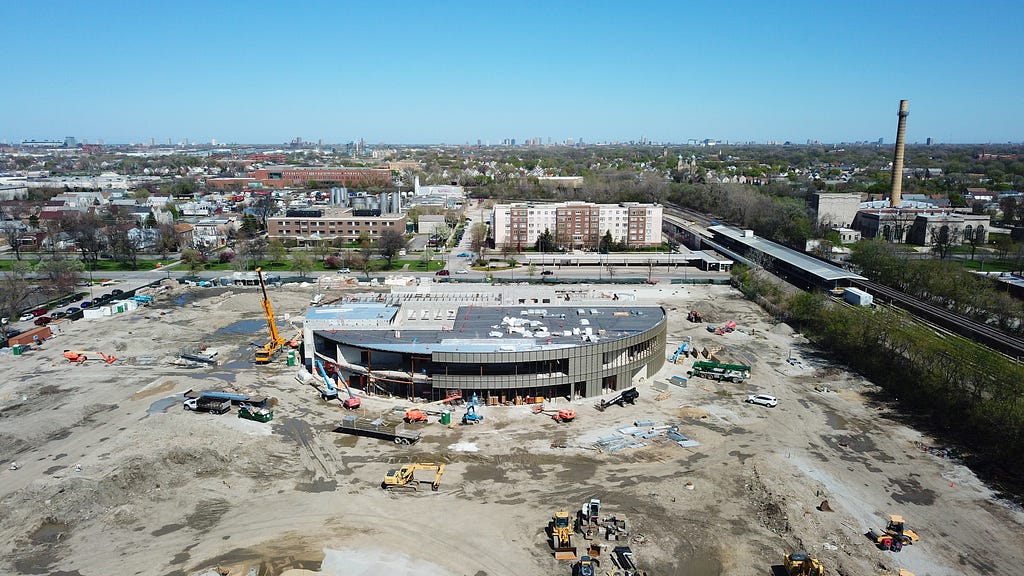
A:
[(332, 224), (297, 176), (577, 225)]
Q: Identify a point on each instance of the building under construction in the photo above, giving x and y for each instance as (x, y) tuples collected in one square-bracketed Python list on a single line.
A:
[(424, 344)]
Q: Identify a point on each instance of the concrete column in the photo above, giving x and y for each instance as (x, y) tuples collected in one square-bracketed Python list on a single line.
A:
[(895, 198)]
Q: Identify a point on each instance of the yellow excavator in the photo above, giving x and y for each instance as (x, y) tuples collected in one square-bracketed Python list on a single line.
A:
[(271, 348), (561, 536), (802, 565), (404, 478)]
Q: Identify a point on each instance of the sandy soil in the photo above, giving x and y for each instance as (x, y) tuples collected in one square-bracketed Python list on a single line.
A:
[(114, 477)]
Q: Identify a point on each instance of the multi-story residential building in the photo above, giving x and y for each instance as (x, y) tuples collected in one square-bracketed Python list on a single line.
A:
[(291, 176), (576, 224), (212, 232), (331, 224)]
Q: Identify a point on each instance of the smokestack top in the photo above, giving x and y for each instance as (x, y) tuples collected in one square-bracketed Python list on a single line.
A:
[(904, 108)]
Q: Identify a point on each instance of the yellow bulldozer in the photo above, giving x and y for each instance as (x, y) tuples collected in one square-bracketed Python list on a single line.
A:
[(802, 565), (404, 478), (561, 536)]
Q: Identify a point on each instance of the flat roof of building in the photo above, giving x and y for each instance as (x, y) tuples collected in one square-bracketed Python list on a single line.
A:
[(807, 263), (484, 328)]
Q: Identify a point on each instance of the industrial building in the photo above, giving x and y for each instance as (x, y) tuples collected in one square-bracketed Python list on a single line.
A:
[(298, 176), (576, 225), (556, 343)]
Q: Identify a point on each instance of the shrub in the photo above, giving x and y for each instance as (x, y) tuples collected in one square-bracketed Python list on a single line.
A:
[(226, 256)]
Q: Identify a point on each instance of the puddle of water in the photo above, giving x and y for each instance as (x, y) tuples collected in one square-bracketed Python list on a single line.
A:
[(162, 405), (237, 365), (49, 533), (182, 300), (835, 421), (242, 327)]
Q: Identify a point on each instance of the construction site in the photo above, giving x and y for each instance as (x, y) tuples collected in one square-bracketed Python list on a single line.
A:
[(236, 431)]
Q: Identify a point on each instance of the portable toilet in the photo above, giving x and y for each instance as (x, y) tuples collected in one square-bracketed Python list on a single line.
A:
[(291, 358), (446, 417)]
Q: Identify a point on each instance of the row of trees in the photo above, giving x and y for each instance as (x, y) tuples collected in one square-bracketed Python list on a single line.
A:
[(939, 282), (932, 374), (249, 251)]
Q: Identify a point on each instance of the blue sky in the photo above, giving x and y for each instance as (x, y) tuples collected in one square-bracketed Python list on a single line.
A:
[(455, 72)]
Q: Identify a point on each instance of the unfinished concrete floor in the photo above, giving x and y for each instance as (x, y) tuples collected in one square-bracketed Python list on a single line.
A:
[(115, 478)]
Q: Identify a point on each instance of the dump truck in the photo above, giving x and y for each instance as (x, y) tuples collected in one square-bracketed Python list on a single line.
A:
[(378, 428), (207, 404), (719, 371)]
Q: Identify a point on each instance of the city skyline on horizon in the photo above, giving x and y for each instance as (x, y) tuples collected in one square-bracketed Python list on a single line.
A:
[(457, 72)]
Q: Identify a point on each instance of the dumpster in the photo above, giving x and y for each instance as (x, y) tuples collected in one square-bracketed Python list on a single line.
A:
[(446, 418)]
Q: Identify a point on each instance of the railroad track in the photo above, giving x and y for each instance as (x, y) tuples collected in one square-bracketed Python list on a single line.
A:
[(983, 333)]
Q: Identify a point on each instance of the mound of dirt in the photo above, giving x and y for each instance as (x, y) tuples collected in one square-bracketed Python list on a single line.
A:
[(691, 412)]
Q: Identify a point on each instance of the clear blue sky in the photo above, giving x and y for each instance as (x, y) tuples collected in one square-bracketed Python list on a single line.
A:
[(452, 72)]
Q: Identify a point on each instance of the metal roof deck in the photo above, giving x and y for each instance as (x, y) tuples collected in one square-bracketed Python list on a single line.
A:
[(475, 329), (807, 263)]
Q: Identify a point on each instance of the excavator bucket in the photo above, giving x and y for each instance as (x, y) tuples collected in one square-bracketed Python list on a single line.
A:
[(568, 553)]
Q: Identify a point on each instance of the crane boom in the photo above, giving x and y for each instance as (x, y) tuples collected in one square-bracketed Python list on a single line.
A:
[(264, 354)]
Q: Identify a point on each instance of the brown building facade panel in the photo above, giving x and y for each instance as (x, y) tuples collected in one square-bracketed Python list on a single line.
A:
[(347, 228)]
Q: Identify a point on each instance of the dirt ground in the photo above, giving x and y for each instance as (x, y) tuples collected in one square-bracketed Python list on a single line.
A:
[(113, 477)]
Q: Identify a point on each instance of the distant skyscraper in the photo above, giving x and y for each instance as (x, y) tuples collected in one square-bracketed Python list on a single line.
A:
[(928, 142)]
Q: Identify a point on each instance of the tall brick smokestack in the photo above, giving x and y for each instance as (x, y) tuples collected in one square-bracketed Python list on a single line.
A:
[(897, 161)]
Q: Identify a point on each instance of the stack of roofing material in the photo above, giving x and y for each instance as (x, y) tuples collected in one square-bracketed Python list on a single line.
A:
[(634, 436)]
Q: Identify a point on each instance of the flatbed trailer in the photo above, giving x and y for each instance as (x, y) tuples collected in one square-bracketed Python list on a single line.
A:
[(233, 397), (719, 371), (378, 428)]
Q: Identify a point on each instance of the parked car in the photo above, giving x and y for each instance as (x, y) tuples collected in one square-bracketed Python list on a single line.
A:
[(75, 298), (117, 291), (85, 304), (26, 317), (344, 271), (72, 310), (462, 271), (39, 311), (58, 314), (463, 255), (12, 332), (442, 273), (763, 400), (105, 297), (43, 321), (546, 273)]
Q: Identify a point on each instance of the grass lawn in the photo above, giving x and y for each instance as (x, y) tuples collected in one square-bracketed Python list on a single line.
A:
[(101, 265), (375, 266), (991, 265)]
